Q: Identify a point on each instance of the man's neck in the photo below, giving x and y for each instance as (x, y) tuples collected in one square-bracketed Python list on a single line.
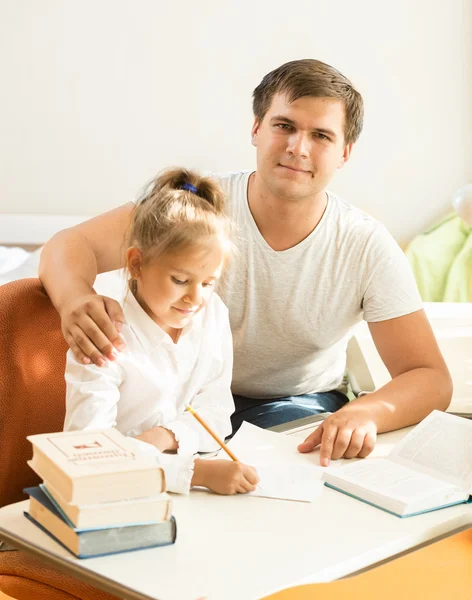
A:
[(283, 223)]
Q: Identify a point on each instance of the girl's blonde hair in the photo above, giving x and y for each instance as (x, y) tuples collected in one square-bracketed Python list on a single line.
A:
[(178, 209)]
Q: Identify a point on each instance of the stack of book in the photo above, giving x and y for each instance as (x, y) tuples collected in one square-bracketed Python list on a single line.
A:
[(99, 495)]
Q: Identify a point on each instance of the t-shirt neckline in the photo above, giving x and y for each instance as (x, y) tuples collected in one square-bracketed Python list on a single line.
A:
[(260, 238)]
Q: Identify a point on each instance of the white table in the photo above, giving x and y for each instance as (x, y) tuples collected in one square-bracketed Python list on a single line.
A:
[(233, 548)]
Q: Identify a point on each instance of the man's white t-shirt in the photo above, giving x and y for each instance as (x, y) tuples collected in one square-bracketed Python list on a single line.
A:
[(292, 312)]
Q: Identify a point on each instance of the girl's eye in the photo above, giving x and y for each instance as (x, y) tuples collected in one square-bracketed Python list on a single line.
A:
[(208, 284), (178, 281)]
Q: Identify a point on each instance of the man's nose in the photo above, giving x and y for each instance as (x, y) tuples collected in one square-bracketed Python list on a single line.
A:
[(299, 144)]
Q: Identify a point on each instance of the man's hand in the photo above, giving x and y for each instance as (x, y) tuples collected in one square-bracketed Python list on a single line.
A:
[(91, 327), (347, 433)]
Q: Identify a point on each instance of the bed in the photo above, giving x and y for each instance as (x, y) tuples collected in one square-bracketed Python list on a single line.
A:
[(22, 238)]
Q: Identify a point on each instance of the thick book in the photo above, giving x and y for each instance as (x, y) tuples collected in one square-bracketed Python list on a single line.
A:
[(88, 467), (111, 514), (430, 468), (87, 543)]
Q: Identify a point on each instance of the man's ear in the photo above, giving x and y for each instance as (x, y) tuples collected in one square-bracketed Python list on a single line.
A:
[(255, 131), (345, 156), (134, 261)]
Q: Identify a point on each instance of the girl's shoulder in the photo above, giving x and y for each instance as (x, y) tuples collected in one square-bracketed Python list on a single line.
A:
[(215, 312), (217, 306)]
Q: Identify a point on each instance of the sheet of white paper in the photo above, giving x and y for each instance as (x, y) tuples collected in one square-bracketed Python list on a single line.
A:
[(254, 445), (284, 472), (288, 482)]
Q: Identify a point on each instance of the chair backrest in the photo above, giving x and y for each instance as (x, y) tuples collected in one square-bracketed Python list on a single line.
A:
[(32, 386)]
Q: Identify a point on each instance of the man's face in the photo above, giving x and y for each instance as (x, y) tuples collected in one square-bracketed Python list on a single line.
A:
[(300, 145)]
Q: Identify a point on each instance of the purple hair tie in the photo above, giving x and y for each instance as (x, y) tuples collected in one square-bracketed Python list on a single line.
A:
[(189, 187)]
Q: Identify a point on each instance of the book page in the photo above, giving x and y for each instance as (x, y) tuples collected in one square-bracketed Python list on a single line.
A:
[(393, 480), (441, 446)]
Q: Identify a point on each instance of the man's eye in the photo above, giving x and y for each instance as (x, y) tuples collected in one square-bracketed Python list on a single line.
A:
[(284, 126), (178, 281), (322, 136)]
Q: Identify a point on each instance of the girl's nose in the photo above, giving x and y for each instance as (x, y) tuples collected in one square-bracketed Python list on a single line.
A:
[(194, 297)]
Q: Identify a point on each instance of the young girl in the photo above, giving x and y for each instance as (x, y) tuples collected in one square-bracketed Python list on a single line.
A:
[(178, 340)]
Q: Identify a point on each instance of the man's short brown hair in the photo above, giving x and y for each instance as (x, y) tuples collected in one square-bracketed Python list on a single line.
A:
[(309, 77)]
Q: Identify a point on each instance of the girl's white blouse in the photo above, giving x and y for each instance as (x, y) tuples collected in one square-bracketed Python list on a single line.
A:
[(151, 382)]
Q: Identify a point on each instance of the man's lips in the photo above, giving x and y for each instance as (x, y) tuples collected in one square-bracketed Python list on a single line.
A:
[(296, 169)]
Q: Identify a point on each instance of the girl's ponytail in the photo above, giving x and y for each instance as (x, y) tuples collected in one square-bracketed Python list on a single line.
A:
[(184, 180), (178, 209)]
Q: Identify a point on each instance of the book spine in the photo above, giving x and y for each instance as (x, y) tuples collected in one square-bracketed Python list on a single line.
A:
[(48, 470)]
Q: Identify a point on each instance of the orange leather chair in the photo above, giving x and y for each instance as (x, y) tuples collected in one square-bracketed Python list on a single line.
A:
[(32, 393)]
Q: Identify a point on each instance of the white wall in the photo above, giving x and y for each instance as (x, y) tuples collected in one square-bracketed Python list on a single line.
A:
[(97, 95)]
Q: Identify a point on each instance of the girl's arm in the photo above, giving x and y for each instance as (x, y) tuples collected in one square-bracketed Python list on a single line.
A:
[(92, 395)]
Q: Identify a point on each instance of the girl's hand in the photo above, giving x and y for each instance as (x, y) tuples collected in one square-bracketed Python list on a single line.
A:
[(224, 476), (160, 437)]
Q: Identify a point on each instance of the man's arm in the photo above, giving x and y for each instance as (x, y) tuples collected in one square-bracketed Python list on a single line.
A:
[(420, 383), (420, 378), (70, 262)]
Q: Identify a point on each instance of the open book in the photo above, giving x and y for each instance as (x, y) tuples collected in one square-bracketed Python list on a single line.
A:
[(430, 468)]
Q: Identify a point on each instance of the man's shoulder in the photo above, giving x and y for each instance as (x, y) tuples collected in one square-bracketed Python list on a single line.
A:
[(234, 186), (352, 213), (230, 177), (352, 220), (233, 183)]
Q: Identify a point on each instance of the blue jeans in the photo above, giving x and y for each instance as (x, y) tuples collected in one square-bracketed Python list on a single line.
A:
[(274, 411)]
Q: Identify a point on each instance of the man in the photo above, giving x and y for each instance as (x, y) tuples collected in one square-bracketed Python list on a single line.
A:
[(309, 267)]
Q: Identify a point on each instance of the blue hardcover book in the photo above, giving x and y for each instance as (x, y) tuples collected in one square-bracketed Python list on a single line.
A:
[(87, 543)]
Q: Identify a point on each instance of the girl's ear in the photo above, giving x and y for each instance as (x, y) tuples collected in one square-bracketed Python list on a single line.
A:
[(134, 260)]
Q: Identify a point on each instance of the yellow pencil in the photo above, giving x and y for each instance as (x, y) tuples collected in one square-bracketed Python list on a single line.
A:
[(217, 439)]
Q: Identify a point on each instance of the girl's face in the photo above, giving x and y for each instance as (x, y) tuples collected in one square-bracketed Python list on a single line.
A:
[(173, 287)]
